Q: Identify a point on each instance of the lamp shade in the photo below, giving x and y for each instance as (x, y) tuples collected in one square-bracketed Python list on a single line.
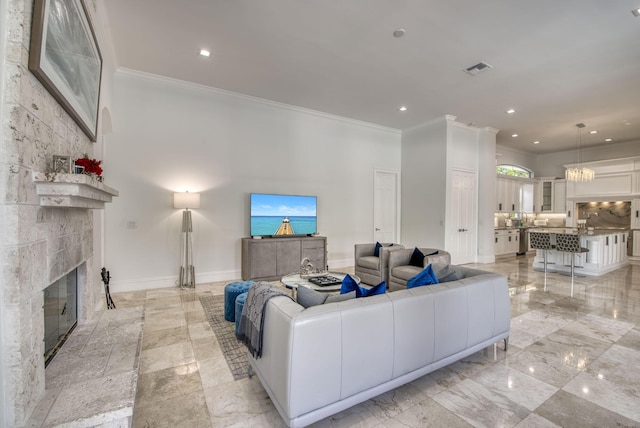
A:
[(186, 200)]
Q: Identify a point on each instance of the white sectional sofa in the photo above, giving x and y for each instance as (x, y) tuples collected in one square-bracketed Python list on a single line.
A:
[(324, 359)]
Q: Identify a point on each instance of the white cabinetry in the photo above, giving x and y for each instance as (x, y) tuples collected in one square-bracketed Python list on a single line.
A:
[(559, 196), (636, 243), (507, 242), (551, 196), (507, 195), (527, 191), (635, 214), (545, 196)]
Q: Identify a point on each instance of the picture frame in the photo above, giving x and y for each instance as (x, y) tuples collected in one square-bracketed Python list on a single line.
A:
[(65, 57), (61, 164)]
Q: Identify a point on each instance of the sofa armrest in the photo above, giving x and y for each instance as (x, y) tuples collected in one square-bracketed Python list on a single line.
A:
[(442, 257)]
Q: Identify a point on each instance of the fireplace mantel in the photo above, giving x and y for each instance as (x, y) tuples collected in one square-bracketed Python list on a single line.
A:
[(72, 190)]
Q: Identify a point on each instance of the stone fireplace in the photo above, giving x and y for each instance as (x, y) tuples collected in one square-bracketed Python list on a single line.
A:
[(40, 243), (60, 313)]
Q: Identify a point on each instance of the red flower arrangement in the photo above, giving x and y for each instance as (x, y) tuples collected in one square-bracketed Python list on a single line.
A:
[(91, 166)]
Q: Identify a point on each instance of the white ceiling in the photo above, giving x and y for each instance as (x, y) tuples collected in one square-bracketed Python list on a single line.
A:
[(557, 62)]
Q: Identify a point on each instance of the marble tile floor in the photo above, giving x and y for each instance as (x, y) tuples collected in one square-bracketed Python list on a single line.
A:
[(572, 362)]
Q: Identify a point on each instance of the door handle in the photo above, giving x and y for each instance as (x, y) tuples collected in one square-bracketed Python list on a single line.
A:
[(462, 230), (377, 230)]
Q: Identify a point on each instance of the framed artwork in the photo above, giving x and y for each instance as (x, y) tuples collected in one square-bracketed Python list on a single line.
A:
[(64, 56), (62, 164)]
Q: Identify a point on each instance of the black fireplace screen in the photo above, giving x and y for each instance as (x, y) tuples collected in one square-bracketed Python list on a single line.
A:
[(60, 313)]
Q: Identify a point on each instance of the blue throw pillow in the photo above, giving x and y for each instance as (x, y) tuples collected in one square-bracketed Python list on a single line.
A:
[(378, 289), (426, 277), (376, 251), (417, 258), (348, 285)]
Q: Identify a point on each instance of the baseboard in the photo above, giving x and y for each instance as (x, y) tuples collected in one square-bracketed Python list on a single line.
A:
[(140, 284)]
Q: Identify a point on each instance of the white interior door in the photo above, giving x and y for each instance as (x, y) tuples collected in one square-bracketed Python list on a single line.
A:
[(463, 226), (386, 205)]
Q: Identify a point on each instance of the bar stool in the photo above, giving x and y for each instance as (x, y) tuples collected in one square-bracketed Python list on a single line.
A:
[(541, 241), (570, 243)]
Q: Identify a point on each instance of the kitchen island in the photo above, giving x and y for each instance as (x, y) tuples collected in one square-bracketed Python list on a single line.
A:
[(607, 251)]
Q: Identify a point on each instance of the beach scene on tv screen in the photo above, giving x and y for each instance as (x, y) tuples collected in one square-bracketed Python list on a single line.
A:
[(280, 215)]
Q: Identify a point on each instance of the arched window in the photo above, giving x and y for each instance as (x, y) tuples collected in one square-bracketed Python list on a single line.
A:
[(514, 171)]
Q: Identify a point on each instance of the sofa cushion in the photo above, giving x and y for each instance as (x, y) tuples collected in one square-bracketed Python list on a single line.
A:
[(417, 258), (308, 297), (348, 284), (370, 262), (376, 250), (405, 272), (378, 289), (446, 273), (426, 277)]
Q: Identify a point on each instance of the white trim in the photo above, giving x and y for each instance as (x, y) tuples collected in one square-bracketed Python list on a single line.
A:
[(209, 89)]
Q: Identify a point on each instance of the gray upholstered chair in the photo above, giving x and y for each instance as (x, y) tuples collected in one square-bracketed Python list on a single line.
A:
[(400, 271), (372, 269)]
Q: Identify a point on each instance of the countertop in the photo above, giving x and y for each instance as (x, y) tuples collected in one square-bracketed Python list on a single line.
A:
[(574, 231)]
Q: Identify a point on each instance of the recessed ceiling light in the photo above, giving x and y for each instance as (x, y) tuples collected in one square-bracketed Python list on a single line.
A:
[(636, 12), (593, 132), (510, 111), (205, 52), (536, 142), (608, 139), (403, 108), (514, 135), (399, 32)]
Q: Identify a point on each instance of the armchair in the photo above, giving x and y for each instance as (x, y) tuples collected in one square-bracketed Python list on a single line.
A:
[(400, 270), (372, 270)]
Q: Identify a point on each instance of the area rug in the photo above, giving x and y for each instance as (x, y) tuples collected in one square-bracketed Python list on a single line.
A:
[(234, 352)]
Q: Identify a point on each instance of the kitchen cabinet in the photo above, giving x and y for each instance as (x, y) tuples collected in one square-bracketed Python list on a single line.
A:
[(527, 191), (551, 196), (635, 214), (559, 196), (636, 243), (507, 195), (507, 242), (545, 196)]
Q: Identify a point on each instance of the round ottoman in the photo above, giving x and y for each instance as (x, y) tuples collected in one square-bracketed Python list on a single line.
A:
[(239, 305), (231, 291)]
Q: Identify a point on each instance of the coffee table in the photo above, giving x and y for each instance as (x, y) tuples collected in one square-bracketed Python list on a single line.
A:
[(294, 280)]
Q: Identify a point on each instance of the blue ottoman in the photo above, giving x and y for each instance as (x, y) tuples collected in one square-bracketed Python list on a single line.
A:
[(231, 291), (239, 305)]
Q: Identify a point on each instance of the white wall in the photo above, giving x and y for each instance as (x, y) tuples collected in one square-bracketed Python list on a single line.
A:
[(508, 156), (551, 165), (172, 136), (424, 185)]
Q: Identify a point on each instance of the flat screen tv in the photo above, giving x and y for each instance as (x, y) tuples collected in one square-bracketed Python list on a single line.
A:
[(283, 215)]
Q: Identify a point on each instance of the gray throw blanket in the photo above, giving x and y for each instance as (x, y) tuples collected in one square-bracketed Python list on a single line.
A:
[(250, 328)]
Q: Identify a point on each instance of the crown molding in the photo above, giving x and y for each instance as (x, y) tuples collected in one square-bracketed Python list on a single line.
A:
[(216, 91)]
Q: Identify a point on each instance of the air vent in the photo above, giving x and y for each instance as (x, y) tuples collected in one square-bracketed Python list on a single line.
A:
[(475, 69)]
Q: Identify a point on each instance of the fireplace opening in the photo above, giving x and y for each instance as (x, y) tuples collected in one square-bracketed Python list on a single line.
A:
[(60, 313)]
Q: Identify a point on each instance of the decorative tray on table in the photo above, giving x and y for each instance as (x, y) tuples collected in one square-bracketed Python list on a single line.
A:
[(325, 280)]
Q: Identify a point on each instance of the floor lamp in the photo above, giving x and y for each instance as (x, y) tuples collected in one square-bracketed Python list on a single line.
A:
[(186, 200)]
